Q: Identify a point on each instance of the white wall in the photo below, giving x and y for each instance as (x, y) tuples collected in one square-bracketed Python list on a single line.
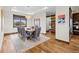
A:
[(62, 30), (0, 19), (1, 31), (71, 26), (42, 16), (8, 21)]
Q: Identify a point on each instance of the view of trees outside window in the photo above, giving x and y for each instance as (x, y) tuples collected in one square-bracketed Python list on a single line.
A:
[(19, 21)]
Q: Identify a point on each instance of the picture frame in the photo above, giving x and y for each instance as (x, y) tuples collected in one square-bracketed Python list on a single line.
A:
[(61, 18)]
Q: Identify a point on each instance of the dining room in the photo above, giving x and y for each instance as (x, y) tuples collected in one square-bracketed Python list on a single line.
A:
[(24, 27)]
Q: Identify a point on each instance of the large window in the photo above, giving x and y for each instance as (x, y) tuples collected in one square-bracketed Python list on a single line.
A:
[(19, 21)]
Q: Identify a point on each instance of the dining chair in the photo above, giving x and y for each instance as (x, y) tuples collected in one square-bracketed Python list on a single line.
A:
[(36, 34), (39, 29), (22, 32), (19, 30)]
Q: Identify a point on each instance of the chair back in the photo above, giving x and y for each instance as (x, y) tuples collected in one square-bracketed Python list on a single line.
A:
[(39, 29), (19, 29), (37, 32), (22, 31)]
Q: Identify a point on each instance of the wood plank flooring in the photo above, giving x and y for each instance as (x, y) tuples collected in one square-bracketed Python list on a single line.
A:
[(7, 45), (50, 46)]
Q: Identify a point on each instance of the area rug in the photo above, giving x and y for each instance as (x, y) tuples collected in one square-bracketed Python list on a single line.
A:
[(22, 45)]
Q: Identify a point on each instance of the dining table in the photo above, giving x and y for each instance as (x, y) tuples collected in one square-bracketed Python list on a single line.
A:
[(30, 30)]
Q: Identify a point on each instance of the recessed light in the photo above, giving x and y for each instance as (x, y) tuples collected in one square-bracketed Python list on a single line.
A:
[(45, 8)]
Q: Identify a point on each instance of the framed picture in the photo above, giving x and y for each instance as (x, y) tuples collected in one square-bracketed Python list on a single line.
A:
[(61, 19)]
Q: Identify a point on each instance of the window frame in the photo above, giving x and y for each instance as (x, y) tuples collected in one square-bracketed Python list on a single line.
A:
[(19, 18)]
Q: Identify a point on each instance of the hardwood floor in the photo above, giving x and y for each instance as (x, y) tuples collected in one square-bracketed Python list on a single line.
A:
[(50, 46), (7, 45), (55, 46)]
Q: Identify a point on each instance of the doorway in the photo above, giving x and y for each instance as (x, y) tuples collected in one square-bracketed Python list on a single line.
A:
[(50, 24), (74, 24)]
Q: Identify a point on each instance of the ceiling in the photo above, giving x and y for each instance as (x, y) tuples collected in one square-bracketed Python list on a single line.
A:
[(75, 9), (50, 10)]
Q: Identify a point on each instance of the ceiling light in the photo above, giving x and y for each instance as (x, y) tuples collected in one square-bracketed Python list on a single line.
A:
[(14, 10), (45, 8)]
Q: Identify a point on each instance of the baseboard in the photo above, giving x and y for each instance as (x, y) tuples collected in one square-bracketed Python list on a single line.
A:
[(10, 33), (62, 41)]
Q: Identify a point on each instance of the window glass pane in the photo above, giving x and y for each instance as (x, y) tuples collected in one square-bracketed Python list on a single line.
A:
[(19, 21), (23, 21)]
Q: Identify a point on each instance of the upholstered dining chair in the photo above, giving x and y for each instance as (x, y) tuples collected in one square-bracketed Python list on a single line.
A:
[(22, 32), (19, 30), (36, 34)]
